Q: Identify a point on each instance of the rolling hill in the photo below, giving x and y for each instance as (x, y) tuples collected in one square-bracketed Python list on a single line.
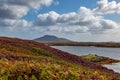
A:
[(51, 38), (30, 60)]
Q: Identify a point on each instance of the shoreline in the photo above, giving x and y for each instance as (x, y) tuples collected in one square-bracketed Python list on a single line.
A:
[(94, 44)]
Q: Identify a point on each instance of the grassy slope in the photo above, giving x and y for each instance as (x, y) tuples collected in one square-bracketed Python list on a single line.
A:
[(24, 59)]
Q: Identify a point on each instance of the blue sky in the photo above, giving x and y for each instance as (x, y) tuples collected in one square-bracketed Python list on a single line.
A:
[(63, 6), (78, 20)]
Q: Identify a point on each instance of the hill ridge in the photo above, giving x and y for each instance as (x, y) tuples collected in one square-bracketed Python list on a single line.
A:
[(51, 38)]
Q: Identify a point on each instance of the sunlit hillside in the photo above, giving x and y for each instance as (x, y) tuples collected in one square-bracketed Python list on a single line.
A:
[(29, 60)]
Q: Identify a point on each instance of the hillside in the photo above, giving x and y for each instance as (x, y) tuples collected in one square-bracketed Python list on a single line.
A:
[(29, 60), (51, 38)]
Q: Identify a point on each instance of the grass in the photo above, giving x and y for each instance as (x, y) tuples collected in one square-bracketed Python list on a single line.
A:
[(90, 56)]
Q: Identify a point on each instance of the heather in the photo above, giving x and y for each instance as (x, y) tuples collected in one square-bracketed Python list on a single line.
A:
[(29, 60)]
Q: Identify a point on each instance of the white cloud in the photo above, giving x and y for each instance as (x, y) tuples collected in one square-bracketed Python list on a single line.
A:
[(106, 7), (68, 29), (11, 12), (14, 25), (36, 4), (47, 19), (70, 17), (10, 22), (15, 9), (109, 24), (83, 17)]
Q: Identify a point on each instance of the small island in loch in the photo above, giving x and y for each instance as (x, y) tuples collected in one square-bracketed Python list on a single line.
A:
[(99, 59)]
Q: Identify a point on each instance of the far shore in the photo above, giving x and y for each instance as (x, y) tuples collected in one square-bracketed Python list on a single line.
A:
[(97, 44)]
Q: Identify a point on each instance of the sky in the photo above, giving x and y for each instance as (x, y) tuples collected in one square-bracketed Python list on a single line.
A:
[(78, 20)]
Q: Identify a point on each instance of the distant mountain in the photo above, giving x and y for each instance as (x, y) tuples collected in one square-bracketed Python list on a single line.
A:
[(51, 38)]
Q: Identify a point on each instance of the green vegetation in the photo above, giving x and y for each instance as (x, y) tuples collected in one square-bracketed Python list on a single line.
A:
[(52, 70), (99, 59), (22, 62), (90, 57)]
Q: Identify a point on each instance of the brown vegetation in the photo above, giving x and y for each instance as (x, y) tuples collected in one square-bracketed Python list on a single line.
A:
[(29, 60), (60, 54)]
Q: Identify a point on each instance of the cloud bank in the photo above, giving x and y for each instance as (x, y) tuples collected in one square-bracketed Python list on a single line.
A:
[(84, 20), (15, 9), (11, 12)]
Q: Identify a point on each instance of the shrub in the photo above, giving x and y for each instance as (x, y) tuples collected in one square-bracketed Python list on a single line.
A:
[(33, 78)]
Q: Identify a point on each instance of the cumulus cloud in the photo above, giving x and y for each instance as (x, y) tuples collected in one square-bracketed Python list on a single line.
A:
[(82, 20), (11, 12), (106, 7), (15, 9), (68, 29), (28, 3), (47, 19), (109, 24), (10, 22), (10, 25), (70, 17)]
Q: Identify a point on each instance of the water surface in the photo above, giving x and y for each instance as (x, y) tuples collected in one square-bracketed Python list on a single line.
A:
[(101, 51)]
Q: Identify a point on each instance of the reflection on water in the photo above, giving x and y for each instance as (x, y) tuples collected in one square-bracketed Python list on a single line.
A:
[(101, 51)]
